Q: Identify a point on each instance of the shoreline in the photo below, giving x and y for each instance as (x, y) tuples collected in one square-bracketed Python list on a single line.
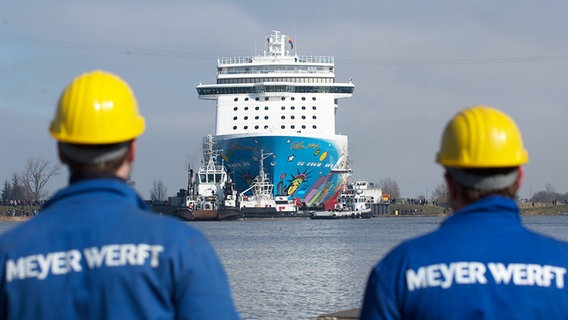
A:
[(14, 219), (524, 212)]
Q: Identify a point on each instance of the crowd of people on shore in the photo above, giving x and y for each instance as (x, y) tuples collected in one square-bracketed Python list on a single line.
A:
[(20, 208)]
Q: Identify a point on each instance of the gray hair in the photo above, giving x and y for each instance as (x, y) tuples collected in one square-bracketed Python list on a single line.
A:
[(93, 154), (492, 182)]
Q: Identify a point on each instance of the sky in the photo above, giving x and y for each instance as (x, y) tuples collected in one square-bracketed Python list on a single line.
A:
[(414, 64)]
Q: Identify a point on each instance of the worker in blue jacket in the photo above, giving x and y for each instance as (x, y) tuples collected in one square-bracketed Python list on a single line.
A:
[(96, 251), (481, 263)]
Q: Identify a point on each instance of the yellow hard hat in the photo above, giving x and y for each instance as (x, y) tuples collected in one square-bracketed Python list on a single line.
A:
[(97, 107), (481, 137)]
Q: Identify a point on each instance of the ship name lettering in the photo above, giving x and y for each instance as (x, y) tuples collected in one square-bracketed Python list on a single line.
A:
[(297, 145)]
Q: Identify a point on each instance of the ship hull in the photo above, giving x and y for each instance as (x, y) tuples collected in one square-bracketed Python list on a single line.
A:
[(205, 215), (310, 169)]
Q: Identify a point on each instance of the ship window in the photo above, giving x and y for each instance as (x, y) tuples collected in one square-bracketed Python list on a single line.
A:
[(292, 117), (235, 118), (292, 98), (265, 127), (256, 108), (292, 107), (247, 99), (314, 126), (246, 117), (283, 127), (257, 98), (283, 107), (314, 107), (265, 117), (314, 98), (303, 117), (303, 127), (314, 117), (246, 127), (256, 118), (246, 108), (303, 98), (234, 127), (283, 98), (266, 108), (283, 117), (256, 127), (235, 108), (303, 107), (292, 126), (236, 99), (265, 98)]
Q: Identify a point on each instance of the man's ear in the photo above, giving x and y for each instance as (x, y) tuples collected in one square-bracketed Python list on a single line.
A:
[(60, 154), (452, 186), (132, 151), (520, 176)]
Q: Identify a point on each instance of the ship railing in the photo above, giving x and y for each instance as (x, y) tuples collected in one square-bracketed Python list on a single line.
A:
[(297, 59)]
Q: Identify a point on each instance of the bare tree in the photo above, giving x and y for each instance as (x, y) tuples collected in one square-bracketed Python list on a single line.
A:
[(159, 191), (547, 195), (390, 186), (440, 193), (36, 175)]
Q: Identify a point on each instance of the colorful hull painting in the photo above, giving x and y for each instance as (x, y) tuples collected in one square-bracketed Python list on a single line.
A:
[(313, 170)]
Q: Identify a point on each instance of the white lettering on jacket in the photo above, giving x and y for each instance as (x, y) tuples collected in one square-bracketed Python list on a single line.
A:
[(443, 275), (521, 274), (40, 266)]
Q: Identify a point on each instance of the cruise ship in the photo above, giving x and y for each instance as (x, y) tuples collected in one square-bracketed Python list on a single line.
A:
[(282, 104)]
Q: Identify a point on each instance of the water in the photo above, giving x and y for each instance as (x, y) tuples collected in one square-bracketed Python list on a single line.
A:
[(301, 268)]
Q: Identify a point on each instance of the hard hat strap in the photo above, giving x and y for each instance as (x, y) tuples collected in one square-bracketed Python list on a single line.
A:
[(483, 182)]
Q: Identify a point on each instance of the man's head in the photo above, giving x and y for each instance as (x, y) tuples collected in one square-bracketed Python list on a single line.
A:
[(482, 152), (96, 123)]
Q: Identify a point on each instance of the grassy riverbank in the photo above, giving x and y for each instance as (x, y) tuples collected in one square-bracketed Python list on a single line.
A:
[(527, 209)]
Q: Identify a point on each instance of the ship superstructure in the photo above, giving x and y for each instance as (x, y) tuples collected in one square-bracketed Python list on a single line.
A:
[(284, 104)]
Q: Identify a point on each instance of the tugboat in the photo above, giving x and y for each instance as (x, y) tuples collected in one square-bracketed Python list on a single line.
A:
[(351, 204), (261, 202), (212, 195)]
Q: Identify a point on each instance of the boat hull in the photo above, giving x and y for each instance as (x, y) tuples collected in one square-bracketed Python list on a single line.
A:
[(213, 215), (310, 169), (252, 213), (204, 215), (328, 215), (183, 214)]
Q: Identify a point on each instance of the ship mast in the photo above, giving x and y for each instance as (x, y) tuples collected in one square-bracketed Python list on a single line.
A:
[(276, 44)]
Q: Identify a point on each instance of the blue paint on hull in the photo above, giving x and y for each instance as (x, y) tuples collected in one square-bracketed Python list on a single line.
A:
[(300, 167)]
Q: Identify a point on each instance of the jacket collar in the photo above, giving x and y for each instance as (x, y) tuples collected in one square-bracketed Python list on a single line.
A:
[(490, 208)]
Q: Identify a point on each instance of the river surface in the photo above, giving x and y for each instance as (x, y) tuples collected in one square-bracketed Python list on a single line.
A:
[(302, 268)]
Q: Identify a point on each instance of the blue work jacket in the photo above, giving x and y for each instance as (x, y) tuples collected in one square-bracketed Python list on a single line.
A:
[(96, 251), (482, 263)]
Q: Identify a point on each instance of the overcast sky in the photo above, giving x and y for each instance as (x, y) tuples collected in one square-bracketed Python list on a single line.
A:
[(414, 63)]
